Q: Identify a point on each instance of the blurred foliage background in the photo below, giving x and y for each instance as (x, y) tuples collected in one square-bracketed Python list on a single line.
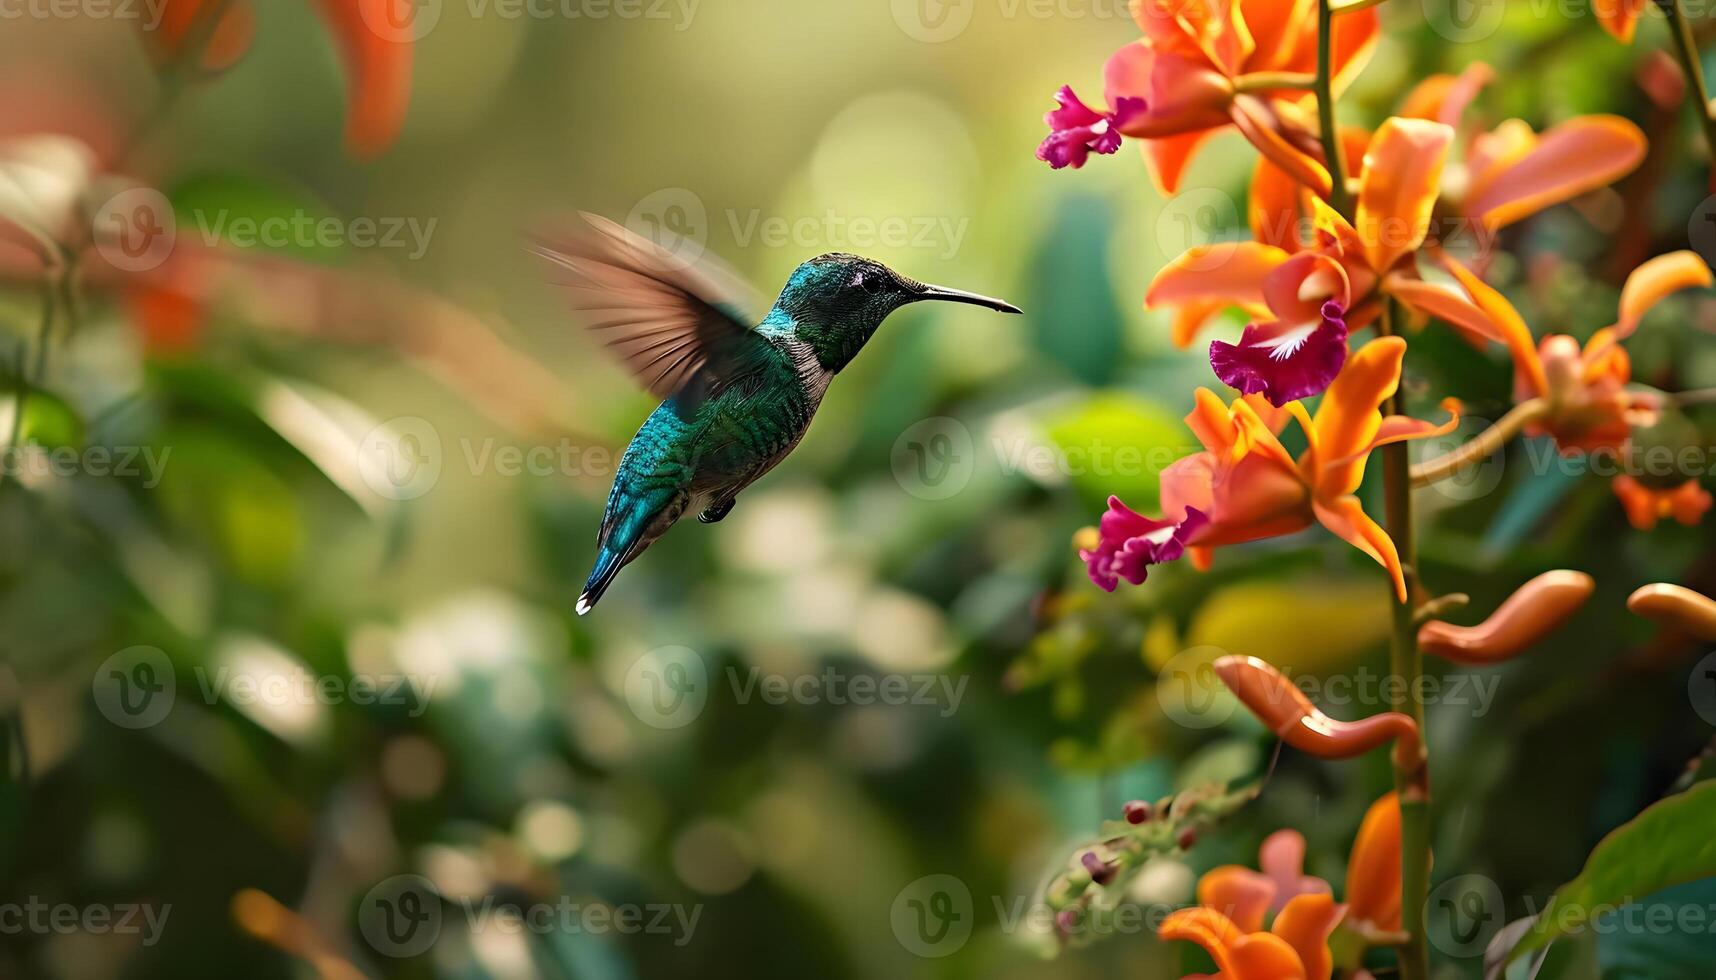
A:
[(794, 830)]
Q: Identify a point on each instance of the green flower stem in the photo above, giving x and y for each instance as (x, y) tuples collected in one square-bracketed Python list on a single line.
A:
[(1686, 52), (1333, 159), (1411, 776)]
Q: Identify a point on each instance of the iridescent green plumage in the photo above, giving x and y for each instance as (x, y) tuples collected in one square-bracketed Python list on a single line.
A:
[(738, 398)]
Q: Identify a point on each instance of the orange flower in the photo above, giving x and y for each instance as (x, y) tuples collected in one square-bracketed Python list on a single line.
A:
[(1250, 487), (1399, 179), (1374, 870), (1506, 174), (1621, 17), (1296, 947), (1645, 505), (1511, 172), (1234, 902), (1589, 406), (1190, 77)]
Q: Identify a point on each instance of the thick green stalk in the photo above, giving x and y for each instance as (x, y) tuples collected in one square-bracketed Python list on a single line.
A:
[(1411, 776), (1686, 51), (1332, 156)]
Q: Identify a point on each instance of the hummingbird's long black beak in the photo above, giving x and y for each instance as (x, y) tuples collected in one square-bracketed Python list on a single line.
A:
[(961, 296)]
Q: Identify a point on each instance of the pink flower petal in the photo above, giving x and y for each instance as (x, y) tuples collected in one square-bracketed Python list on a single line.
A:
[(1284, 362)]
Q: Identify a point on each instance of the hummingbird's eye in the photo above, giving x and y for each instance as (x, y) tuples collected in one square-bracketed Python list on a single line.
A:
[(867, 281)]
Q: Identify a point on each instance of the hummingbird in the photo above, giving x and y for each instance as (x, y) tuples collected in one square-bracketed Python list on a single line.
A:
[(738, 393)]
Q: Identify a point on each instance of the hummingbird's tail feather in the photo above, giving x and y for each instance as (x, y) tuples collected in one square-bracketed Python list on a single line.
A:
[(608, 565), (632, 524)]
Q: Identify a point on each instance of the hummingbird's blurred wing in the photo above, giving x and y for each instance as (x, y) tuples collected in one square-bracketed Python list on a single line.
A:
[(672, 322)]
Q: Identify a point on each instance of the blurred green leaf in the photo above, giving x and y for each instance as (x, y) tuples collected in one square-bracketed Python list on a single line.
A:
[(1117, 443)]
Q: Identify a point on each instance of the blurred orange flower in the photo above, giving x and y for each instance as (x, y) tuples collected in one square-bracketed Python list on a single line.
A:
[(1645, 505), (1589, 406), (1234, 902)]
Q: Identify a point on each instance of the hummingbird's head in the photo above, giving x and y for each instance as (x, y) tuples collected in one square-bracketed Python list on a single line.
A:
[(836, 301)]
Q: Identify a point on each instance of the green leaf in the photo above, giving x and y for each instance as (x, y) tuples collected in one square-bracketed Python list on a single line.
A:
[(1668, 844)]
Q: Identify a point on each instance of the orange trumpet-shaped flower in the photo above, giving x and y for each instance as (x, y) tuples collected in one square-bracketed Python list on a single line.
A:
[(1589, 406), (1245, 486), (1187, 79), (1645, 505), (1533, 611)]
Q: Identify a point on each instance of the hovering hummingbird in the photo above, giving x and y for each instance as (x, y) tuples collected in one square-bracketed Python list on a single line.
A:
[(738, 393)]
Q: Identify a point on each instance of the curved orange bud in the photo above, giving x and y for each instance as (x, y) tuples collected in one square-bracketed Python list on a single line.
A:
[(182, 23), (1674, 605), (1374, 869), (375, 42), (1289, 714), (1535, 609)]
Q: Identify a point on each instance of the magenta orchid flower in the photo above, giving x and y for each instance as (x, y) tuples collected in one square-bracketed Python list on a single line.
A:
[(1128, 543)]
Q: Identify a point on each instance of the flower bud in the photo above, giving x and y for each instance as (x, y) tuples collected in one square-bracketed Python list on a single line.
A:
[(1677, 606), (1289, 714), (1535, 609), (1136, 811)]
